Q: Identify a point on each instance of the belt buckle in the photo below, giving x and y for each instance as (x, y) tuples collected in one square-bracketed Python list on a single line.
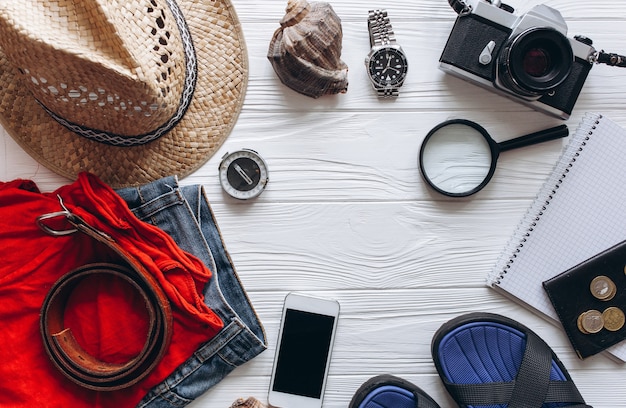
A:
[(41, 221)]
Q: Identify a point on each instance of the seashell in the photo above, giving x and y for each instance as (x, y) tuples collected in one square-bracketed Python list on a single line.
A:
[(306, 50)]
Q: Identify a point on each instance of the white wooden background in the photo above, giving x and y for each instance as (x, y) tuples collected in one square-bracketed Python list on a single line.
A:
[(346, 215)]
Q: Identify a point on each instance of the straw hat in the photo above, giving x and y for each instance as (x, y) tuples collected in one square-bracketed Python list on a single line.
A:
[(130, 90)]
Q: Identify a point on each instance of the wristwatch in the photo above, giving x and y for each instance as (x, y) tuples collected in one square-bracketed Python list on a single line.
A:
[(386, 63)]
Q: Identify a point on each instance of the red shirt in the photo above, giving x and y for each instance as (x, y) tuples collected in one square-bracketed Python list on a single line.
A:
[(106, 315)]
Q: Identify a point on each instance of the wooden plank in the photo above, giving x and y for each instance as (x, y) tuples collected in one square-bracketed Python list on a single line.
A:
[(366, 245)]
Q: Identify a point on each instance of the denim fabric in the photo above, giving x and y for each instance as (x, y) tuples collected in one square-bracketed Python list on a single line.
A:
[(184, 213)]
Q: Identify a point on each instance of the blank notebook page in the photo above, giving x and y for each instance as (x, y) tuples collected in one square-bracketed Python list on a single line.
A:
[(579, 212)]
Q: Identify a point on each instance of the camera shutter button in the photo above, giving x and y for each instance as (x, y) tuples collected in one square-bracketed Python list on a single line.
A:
[(584, 40), (507, 8), (485, 57)]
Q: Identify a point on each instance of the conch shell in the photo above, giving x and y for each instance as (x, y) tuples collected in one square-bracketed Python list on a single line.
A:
[(306, 50)]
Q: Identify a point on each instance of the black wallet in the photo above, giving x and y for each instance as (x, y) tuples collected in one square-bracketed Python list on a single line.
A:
[(590, 300)]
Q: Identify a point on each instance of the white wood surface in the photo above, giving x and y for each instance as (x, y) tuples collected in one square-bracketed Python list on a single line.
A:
[(346, 214)]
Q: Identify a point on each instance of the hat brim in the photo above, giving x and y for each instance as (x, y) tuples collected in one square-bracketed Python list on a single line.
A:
[(218, 97)]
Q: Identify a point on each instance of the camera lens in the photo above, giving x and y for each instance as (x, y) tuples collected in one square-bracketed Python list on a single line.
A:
[(535, 61)]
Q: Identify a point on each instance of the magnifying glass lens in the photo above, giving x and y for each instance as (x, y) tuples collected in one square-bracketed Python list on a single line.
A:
[(456, 159)]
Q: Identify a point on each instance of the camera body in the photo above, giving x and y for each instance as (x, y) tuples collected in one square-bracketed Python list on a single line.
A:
[(526, 57)]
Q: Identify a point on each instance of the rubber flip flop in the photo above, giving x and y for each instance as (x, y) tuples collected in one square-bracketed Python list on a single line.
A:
[(388, 391), (488, 360)]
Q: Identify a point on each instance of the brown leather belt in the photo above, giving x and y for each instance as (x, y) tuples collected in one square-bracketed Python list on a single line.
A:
[(63, 349)]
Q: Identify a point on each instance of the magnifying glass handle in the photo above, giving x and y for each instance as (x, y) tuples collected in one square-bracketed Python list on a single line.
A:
[(556, 132)]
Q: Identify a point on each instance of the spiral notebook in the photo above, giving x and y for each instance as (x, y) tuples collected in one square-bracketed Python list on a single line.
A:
[(579, 212)]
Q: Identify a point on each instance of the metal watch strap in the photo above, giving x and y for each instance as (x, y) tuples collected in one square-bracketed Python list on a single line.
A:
[(388, 92), (379, 28), (381, 33)]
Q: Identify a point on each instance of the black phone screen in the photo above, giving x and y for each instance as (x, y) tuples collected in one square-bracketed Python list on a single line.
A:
[(304, 347)]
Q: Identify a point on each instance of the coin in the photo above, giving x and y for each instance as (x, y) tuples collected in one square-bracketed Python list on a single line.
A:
[(603, 288), (590, 322), (614, 318)]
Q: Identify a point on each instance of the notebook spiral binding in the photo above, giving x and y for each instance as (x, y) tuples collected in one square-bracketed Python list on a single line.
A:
[(544, 197)]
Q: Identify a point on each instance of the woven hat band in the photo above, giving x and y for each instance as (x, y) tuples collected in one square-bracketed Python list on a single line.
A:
[(120, 72)]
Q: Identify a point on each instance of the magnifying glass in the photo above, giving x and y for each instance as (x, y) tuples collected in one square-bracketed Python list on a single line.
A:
[(458, 157)]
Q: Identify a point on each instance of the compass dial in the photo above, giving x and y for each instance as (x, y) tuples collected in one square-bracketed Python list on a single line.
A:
[(243, 174)]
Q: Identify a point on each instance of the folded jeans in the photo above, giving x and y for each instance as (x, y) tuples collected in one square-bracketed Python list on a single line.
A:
[(185, 214)]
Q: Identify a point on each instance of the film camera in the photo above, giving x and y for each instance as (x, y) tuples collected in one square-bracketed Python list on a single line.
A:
[(526, 57)]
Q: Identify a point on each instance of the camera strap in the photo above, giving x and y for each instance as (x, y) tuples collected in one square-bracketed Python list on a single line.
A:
[(459, 6), (612, 59)]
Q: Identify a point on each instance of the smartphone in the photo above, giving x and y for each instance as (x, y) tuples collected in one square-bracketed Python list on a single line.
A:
[(305, 341)]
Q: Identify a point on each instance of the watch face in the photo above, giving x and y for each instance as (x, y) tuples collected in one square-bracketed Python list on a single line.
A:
[(388, 67)]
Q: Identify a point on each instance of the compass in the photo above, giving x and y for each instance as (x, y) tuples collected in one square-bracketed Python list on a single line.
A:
[(243, 174)]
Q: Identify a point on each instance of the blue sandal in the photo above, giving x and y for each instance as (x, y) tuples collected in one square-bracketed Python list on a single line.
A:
[(489, 361), (388, 391)]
